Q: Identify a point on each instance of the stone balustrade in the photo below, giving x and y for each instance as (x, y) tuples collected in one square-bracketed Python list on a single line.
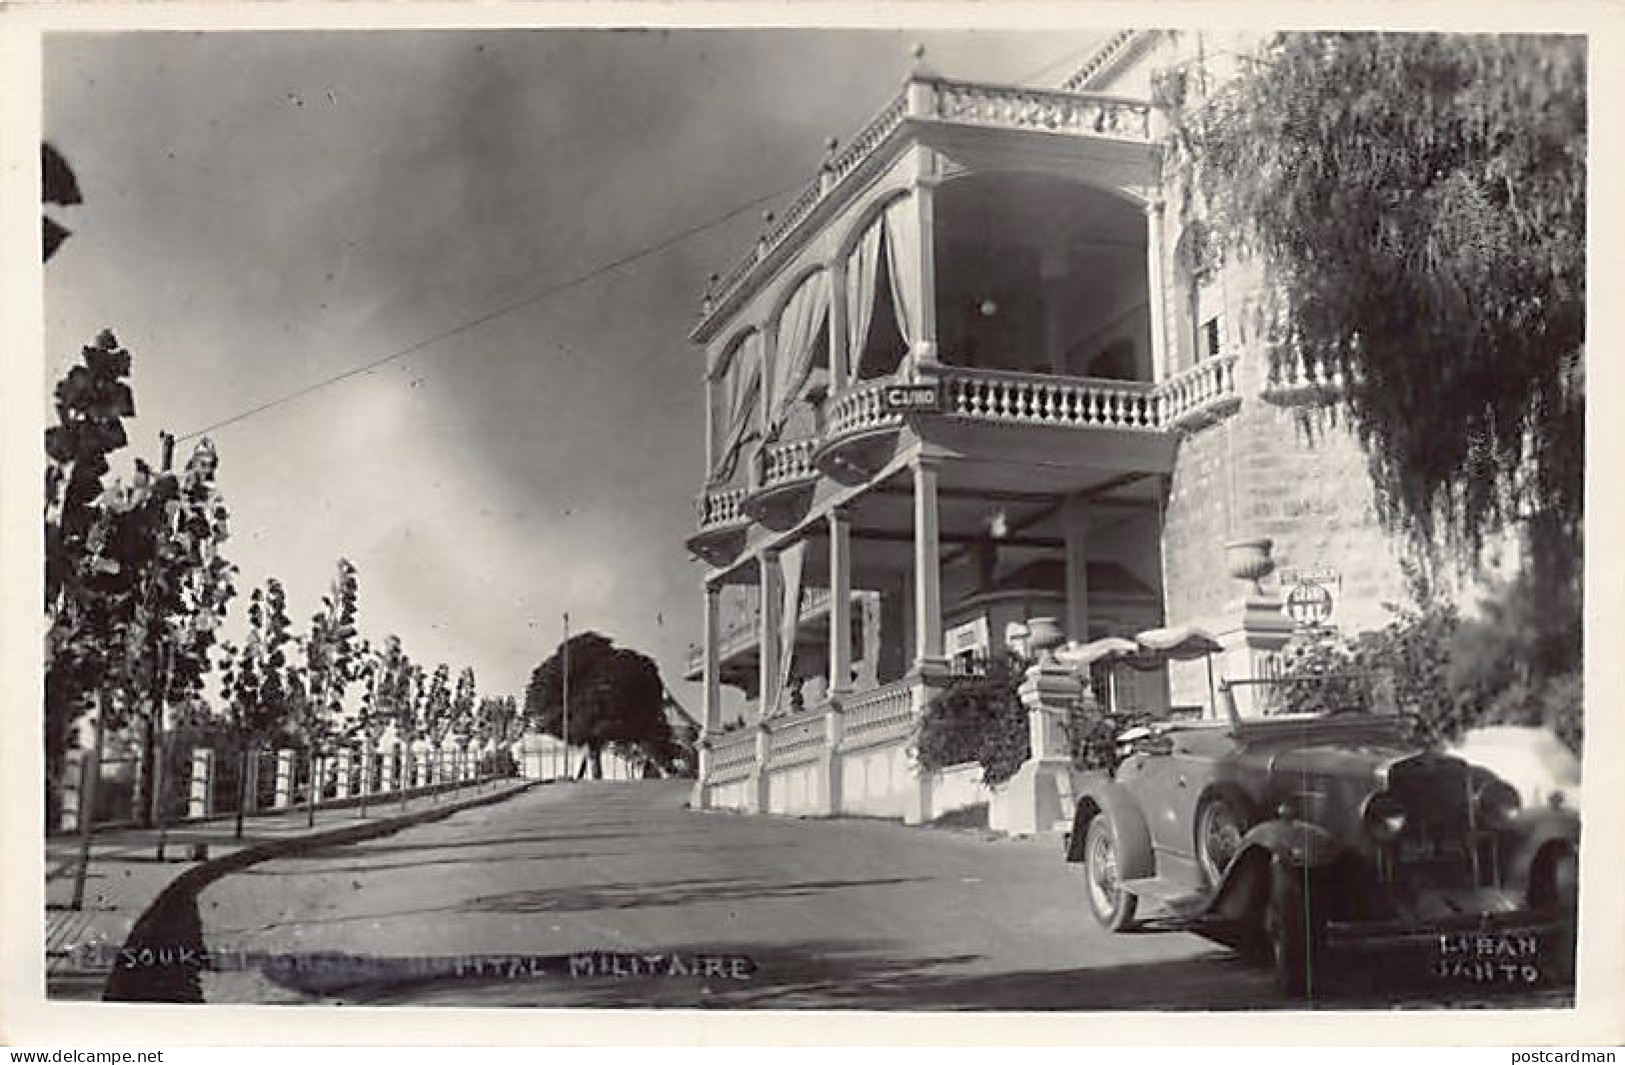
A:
[(940, 101), (1043, 110), (795, 734), (879, 709), (732, 752), (1041, 399), (1294, 380), (1199, 394), (860, 409), (782, 463), (721, 507)]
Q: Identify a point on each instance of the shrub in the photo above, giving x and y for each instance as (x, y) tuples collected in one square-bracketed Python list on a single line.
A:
[(978, 719), (1505, 667)]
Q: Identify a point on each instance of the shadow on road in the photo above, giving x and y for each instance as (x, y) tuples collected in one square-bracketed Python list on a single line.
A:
[(622, 896)]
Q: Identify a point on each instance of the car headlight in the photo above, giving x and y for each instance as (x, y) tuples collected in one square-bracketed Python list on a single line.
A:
[(1384, 817), (1496, 803)]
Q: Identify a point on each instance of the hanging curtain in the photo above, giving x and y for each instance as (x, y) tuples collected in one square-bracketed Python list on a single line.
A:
[(862, 272), (903, 266), (800, 327), (745, 380), (790, 560)]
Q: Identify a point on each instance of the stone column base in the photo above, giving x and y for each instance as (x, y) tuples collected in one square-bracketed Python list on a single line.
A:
[(917, 806), (1035, 800)]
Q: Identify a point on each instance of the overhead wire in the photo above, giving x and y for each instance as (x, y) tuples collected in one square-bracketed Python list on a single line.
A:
[(497, 312), (536, 297)]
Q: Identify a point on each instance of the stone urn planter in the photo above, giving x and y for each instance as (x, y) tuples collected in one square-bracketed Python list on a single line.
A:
[(1249, 560), (1044, 635)]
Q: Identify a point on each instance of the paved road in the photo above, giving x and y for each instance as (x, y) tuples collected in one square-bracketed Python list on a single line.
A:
[(732, 911)]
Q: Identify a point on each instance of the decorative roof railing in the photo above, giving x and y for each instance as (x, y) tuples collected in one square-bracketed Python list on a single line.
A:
[(941, 101)]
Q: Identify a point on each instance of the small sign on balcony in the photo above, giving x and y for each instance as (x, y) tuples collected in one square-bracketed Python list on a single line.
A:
[(919, 398)]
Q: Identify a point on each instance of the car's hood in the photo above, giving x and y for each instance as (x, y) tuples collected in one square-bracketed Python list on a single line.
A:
[(1357, 751)]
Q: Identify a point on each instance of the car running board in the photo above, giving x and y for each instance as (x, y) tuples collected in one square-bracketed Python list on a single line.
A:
[(1171, 893)]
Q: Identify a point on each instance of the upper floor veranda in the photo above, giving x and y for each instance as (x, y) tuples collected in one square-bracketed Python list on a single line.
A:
[(984, 268)]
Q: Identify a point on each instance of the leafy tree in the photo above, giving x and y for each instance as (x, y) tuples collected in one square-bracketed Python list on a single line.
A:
[(81, 594), (616, 697), (1420, 198), (254, 684), (437, 720), (462, 706), (331, 662), (978, 719), (1419, 203)]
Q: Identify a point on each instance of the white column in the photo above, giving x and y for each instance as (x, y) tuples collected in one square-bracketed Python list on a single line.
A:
[(710, 694), (1155, 294), (770, 358), (768, 658), (925, 180), (392, 769), (927, 566), (1074, 525), (710, 424), (838, 357), (840, 602), (711, 697)]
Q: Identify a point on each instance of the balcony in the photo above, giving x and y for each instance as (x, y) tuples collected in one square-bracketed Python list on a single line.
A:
[(862, 430), (784, 483), (723, 525), (1294, 381), (865, 422), (1116, 125), (1201, 395), (744, 634), (1001, 396)]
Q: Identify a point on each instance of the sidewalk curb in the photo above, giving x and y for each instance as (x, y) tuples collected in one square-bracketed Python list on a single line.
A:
[(169, 928)]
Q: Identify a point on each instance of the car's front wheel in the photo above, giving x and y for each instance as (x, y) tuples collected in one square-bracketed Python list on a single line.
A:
[(1112, 906), (1291, 931)]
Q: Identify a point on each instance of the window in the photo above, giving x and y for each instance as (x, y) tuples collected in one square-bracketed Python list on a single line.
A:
[(1209, 318)]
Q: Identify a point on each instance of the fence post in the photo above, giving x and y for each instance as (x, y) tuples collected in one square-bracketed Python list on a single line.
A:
[(74, 767), (345, 760), (251, 780), (284, 778), (200, 803)]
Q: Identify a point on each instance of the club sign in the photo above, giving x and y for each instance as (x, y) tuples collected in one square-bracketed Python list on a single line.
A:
[(923, 398)]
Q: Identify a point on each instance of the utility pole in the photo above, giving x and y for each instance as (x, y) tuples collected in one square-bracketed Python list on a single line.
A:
[(565, 700)]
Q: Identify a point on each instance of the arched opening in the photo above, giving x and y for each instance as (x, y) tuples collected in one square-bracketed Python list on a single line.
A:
[(1041, 274), (736, 417)]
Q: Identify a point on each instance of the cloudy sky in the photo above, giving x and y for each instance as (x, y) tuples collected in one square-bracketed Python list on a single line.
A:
[(265, 211)]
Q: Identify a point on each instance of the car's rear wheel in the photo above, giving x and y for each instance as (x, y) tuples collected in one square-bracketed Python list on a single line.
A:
[(1554, 882), (1221, 822), (1112, 906)]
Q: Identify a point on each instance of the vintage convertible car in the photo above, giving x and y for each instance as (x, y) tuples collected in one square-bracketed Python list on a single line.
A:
[(1304, 838)]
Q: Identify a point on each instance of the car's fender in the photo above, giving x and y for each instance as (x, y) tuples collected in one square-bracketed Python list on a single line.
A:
[(1297, 844), (1301, 843), (1101, 795)]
